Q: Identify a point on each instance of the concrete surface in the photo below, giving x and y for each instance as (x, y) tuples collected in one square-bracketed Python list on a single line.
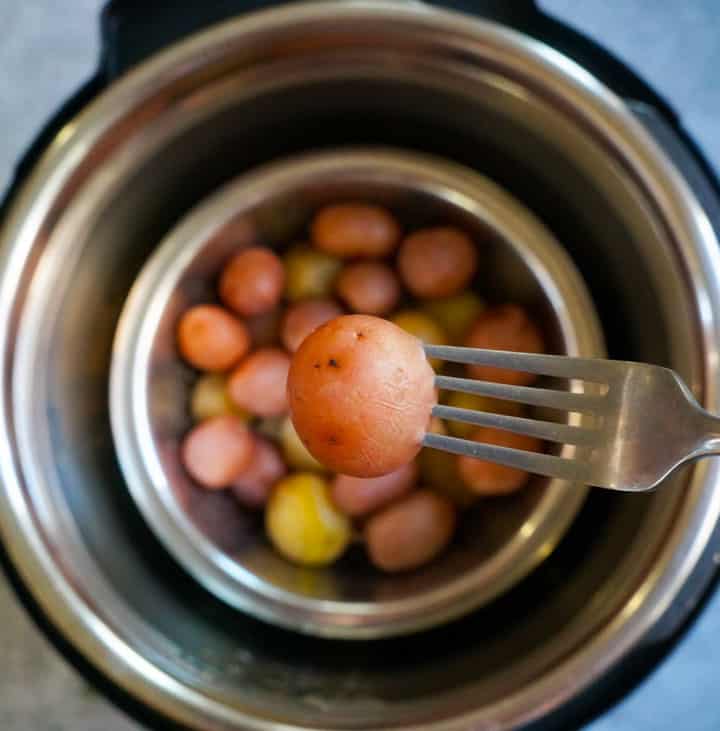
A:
[(48, 47)]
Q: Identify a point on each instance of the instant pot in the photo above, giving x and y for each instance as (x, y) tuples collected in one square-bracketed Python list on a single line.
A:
[(499, 87)]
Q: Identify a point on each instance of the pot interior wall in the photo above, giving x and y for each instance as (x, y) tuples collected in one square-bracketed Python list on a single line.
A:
[(467, 663)]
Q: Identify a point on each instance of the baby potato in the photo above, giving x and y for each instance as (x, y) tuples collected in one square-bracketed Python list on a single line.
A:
[(252, 282), (368, 288), (265, 329), (310, 274), (259, 382), (355, 229), (209, 398), (211, 339), (455, 314), (296, 453), (410, 532), (488, 478), (302, 522), (217, 451), (459, 400), (361, 394), (437, 262), (304, 317), (423, 327), (357, 496), (252, 487), (506, 327)]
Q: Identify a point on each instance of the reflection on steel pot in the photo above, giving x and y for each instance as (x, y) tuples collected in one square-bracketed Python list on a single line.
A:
[(121, 174)]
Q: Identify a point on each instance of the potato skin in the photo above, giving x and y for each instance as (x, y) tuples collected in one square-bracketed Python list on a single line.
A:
[(368, 288), (215, 452), (211, 339), (258, 383), (303, 317), (253, 281), (361, 393), (437, 262), (252, 487), (355, 229), (505, 327), (489, 478), (357, 496), (410, 532)]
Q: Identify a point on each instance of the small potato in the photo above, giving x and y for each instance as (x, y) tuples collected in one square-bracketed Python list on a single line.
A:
[(259, 383), (423, 327), (303, 318), (488, 478), (217, 451), (310, 274), (252, 282), (459, 400), (361, 394), (506, 327), (265, 329), (296, 453), (302, 522), (252, 488), (357, 497), (368, 288), (411, 532), (209, 398), (437, 262), (355, 229), (211, 339), (455, 314)]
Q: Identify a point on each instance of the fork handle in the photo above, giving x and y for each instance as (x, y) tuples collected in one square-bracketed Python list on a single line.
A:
[(710, 441)]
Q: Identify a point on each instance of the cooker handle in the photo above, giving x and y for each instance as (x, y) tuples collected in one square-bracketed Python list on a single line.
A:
[(132, 30)]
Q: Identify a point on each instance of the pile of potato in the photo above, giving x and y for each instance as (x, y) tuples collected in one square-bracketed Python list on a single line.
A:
[(359, 260)]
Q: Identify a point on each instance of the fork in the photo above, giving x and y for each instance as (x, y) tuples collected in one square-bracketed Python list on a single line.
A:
[(640, 422)]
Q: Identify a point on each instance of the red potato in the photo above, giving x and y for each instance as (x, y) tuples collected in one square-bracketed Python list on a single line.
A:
[(489, 478), (355, 229), (437, 262), (369, 288), (252, 281), (265, 329), (361, 394), (217, 451), (211, 339), (304, 317), (357, 496), (252, 488), (411, 532), (506, 327), (259, 383)]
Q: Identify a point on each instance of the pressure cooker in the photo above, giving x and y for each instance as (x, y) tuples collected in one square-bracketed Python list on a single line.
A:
[(185, 100)]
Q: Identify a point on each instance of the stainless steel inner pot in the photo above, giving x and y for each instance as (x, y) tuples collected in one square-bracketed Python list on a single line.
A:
[(222, 545), (257, 89)]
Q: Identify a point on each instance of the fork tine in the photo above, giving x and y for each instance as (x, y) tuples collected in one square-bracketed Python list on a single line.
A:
[(547, 430), (558, 366), (546, 397), (538, 463)]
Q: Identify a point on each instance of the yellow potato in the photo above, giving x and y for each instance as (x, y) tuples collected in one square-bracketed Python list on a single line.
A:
[(455, 314), (309, 273), (424, 327), (209, 398), (295, 451), (302, 522)]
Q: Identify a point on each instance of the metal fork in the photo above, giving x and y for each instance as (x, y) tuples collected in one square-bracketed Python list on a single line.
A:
[(644, 421)]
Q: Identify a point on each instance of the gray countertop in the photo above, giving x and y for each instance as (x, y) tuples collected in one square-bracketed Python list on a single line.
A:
[(48, 48)]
